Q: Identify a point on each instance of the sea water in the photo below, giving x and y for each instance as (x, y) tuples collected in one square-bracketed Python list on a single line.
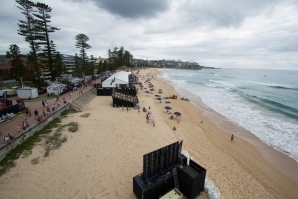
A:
[(264, 102)]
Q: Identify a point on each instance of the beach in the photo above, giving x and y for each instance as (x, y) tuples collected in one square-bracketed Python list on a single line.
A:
[(100, 160)]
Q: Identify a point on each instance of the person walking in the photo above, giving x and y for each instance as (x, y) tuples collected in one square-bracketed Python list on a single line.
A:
[(43, 103), (35, 114), (232, 138), (19, 128)]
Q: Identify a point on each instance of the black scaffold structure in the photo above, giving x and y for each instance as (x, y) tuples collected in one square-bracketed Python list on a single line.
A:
[(166, 169)]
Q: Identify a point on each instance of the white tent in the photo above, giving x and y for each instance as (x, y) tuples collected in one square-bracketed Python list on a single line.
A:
[(119, 79), (57, 89), (27, 93)]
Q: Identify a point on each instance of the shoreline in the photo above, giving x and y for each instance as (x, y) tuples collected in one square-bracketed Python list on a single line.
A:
[(279, 160)]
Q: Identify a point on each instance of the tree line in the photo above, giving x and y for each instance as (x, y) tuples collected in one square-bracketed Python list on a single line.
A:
[(43, 58)]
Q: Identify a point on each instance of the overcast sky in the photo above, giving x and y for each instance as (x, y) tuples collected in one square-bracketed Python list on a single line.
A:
[(219, 33)]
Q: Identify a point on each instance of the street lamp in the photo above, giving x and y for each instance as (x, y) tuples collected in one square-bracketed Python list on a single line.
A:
[(21, 81)]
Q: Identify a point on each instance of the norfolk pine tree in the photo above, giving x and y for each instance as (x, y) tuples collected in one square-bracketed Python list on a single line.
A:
[(44, 28), (82, 44), (27, 26)]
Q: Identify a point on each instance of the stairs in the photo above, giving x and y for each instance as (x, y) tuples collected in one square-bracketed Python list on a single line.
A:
[(80, 103), (175, 178), (76, 106)]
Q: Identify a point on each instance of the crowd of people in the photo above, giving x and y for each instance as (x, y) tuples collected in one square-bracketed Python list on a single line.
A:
[(5, 117)]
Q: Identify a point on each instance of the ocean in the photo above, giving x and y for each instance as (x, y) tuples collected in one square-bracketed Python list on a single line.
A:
[(264, 102)]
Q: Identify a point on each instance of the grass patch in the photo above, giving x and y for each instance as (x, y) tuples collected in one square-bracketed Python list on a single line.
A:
[(35, 161), (54, 141), (73, 129), (8, 85), (26, 153), (85, 115), (25, 149), (68, 111), (51, 142)]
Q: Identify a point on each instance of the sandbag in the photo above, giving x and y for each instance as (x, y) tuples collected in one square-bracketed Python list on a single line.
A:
[(213, 193), (208, 185)]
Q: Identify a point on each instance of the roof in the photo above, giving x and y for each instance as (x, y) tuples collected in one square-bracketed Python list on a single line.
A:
[(27, 88), (5, 66), (120, 78), (123, 76)]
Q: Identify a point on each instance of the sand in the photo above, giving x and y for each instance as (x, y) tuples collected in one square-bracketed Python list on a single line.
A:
[(100, 160)]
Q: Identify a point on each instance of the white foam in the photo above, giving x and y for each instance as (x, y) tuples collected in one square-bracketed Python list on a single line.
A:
[(222, 82), (267, 126), (270, 85)]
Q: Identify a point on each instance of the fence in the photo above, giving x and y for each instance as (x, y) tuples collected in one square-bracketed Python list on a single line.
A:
[(22, 137)]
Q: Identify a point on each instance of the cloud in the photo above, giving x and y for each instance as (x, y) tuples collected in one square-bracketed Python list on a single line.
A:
[(133, 8)]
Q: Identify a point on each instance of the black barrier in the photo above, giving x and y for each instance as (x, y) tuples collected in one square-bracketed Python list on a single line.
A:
[(104, 91), (14, 108), (191, 179), (108, 91)]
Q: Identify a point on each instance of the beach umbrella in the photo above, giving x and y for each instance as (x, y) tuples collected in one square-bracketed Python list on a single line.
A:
[(168, 107), (168, 102), (177, 113), (159, 98), (146, 91), (156, 95), (152, 89)]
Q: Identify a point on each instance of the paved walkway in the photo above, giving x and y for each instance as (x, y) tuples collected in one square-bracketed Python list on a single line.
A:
[(11, 127)]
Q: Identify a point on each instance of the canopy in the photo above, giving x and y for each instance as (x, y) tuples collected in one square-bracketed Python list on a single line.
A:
[(119, 79)]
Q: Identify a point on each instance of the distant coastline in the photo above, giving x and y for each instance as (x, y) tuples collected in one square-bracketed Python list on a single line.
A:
[(191, 67)]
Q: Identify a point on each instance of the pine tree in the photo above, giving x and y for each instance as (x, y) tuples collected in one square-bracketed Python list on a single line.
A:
[(77, 72), (18, 67), (81, 43), (34, 72), (44, 28), (27, 26), (59, 67)]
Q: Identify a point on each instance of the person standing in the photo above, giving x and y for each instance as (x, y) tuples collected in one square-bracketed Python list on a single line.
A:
[(35, 114), (232, 138), (43, 104), (26, 122), (23, 125)]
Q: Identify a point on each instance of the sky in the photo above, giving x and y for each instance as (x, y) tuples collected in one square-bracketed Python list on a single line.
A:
[(255, 34)]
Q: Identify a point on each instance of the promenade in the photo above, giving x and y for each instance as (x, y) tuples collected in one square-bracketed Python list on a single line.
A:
[(11, 126)]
